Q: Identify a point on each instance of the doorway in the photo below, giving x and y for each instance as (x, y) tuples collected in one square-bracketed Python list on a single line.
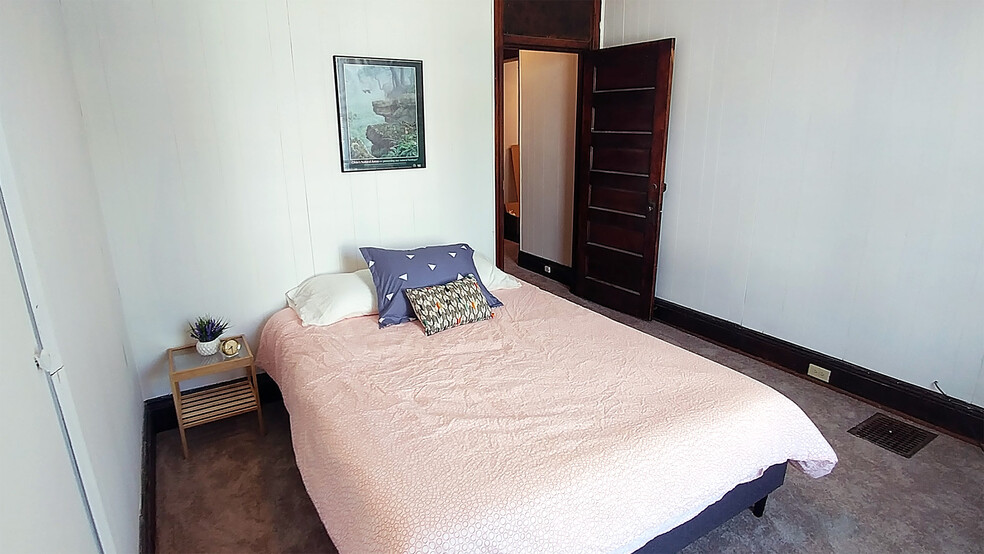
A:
[(622, 114), (540, 109)]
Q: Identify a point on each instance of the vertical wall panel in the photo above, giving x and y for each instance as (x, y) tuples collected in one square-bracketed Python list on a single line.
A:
[(547, 134), (824, 175), (611, 22), (291, 159)]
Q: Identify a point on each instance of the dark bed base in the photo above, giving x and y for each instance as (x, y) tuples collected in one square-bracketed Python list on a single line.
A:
[(750, 495)]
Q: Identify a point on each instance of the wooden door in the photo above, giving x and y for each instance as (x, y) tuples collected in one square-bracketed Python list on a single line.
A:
[(621, 162)]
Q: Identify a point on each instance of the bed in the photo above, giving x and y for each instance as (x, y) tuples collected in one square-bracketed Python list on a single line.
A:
[(549, 428)]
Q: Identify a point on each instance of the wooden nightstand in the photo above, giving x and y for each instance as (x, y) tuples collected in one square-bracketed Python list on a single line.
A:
[(224, 400)]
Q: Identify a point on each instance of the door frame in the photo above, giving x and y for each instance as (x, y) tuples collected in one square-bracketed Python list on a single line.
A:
[(500, 43)]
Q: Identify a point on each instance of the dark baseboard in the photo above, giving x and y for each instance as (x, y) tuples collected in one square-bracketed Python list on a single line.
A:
[(510, 227), (148, 488), (954, 416), (159, 415), (558, 272)]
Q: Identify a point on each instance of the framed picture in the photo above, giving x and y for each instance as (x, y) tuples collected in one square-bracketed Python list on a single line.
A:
[(380, 113)]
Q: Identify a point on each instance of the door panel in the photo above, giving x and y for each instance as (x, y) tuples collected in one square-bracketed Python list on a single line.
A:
[(615, 267), (616, 237), (621, 163), (615, 297), (626, 154), (621, 200), (626, 67), (624, 111), (636, 183), (42, 509)]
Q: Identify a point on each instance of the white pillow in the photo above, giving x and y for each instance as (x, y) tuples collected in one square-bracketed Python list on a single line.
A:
[(332, 297), (492, 277)]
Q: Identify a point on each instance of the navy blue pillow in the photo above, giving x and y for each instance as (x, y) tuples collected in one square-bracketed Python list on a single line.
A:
[(395, 270)]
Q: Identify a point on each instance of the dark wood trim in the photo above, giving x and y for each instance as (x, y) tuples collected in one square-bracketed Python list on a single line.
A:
[(558, 272), (159, 416), (497, 55), (947, 414), (657, 169), (596, 26), (148, 487), (585, 75), (521, 42), (580, 118)]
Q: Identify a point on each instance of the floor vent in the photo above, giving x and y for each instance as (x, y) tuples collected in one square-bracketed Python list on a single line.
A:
[(892, 434)]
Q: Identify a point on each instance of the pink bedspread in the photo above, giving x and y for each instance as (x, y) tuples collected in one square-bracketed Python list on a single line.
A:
[(547, 429)]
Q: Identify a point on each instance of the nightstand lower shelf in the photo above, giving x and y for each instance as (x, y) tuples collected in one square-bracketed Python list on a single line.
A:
[(227, 400)]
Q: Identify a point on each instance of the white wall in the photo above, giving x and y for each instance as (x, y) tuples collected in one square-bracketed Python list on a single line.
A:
[(510, 126), (824, 171), (547, 132), (44, 164), (213, 132)]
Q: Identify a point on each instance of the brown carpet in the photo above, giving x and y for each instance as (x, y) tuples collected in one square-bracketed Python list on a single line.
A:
[(240, 492)]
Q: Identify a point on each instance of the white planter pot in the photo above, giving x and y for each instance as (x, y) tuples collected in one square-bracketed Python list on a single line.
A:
[(207, 348)]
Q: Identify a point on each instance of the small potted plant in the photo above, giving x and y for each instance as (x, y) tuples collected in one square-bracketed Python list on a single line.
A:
[(207, 330)]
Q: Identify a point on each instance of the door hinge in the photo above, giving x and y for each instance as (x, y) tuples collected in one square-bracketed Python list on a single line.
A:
[(47, 362)]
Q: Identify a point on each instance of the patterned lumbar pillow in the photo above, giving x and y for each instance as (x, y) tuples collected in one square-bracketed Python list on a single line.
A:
[(450, 305)]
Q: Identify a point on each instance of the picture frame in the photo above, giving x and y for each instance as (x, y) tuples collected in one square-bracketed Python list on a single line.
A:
[(380, 113)]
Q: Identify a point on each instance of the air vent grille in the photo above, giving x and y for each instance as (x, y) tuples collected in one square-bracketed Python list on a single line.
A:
[(892, 434)]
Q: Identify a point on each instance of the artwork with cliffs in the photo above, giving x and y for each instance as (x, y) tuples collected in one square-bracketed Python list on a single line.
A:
[(382, 111)]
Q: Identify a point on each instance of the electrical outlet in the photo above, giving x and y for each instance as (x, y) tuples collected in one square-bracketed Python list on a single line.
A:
[(818, 372), (546, 269)]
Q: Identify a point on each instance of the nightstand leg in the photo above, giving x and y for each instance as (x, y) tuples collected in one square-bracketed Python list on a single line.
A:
[(256, 396), (184, 440), (176, 395)]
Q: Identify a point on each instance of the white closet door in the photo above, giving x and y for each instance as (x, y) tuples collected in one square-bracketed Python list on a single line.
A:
[(547, 132), (42, 508)]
